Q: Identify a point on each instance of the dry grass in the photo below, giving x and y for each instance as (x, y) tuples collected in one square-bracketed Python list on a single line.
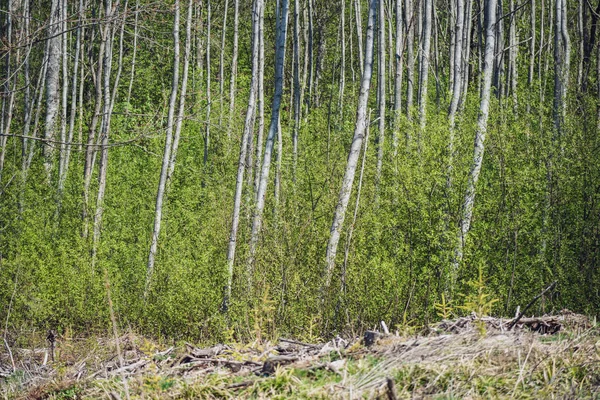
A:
[(471, 363)]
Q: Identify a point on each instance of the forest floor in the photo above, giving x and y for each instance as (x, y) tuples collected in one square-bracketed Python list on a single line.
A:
[(547, 357)]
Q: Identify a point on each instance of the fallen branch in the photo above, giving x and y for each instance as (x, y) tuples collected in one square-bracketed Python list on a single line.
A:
[(514, 322)]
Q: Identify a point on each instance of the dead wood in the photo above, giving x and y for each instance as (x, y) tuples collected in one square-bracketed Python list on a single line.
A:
[(516, 320)]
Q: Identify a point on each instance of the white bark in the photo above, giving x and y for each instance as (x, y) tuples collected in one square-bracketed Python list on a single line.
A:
[(261, 99), (183, 91), (424, 61), (166, 153), (64, 94), (457, 84), (104, 129), (296, 102), (354, 154), (134, 54), (74, 87), (234, 65), (208, 72), (381, 89), (479, 146), (398, 75), (237, 201), (410, 56), (221, 67), (52, 78), (266, 165)]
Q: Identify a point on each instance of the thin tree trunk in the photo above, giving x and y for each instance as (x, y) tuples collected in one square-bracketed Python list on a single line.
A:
[(104, 130), (424, 61), (479, 147), (134, 54), (74, 90), (237, 201), (356, 204), (208, 72), (221, 64), (359, 35), (410, 57), (342, 60), (166, 153), (512, 55), (90, 150), (64, 95), (531, 47), (457, 84), (234, 65), (466, 52), (8, 107), (52, 78), (353, 156), (381, 90), (296, 101), (266, 165), (261, 98), (183, 91), (398, 76)]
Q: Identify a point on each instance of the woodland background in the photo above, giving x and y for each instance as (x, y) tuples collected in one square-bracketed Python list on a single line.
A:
[(134, 134)]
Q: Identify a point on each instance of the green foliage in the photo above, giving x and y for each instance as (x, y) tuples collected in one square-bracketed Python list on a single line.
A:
[(444, 309), (478, 300), (535, 220)]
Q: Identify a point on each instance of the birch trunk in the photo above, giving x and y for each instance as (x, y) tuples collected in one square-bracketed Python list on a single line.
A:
[(74, 87), (183, 91), (457, 84), (424, 61), (90, 149), (134, 54), (410, 57), (266, 164), (64, 94), (234, 65), (479, 147), (261, 98), (52, 78), (221, 64), (512, 54), (354, 154), (166, 153), (237, 201), (208, 72), (296, 101), (531, 47), (381, 89), (398, 75), (105, 129)]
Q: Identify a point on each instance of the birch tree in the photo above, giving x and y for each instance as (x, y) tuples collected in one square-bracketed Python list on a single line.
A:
[(52, 81), (208, 72), (173, 131), (480, 133), (398, 74), (381, 88), (457, 83), (354, 154), (104, 127), (237, 200), (234, 64), (266, 164), (424, 60), (410, 57)]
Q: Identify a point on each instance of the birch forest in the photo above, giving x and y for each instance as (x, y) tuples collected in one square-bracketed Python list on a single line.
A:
[(193, 169)]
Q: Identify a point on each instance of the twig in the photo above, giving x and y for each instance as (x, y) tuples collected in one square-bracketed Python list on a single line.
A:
[(12, 360), (299, 343), (512, 324)]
